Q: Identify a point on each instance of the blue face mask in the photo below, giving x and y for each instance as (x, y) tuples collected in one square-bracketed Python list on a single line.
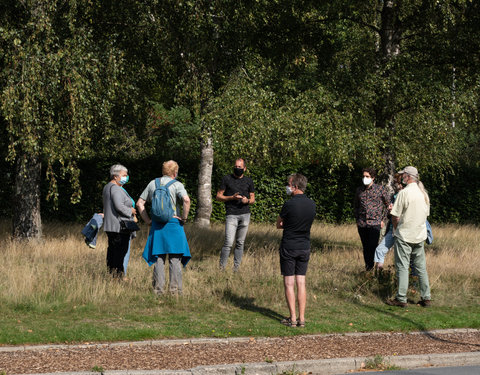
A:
[(123, 180)]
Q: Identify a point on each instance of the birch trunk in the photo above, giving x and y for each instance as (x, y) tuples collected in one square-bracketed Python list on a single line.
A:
[(26, 218), (204, 205), (390, 38)]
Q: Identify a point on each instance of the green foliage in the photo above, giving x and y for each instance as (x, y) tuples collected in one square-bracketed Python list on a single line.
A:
[(58, 87), (454, 197), (173, 132), (291, 86)]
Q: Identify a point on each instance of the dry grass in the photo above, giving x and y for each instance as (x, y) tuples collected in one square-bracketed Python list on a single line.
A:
[(62, 269)]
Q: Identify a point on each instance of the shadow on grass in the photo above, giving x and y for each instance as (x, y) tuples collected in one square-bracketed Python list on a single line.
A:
[(420, 327), (248, 303)]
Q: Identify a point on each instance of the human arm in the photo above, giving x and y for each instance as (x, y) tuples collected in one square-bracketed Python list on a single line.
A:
[(397, 210), (119, 197), (250, 200), (387, 203), (221, 197), (186, 208), (395, 220), (279, 223), (143, 211)]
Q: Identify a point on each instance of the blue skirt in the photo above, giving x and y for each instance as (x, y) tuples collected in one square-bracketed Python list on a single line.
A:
[(166, 238)]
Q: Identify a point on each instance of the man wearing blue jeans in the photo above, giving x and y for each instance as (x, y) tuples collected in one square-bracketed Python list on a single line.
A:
[(238, 193)]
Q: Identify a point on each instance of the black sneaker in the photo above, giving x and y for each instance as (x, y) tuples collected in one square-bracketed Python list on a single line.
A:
[(424, 303), (395, 302)]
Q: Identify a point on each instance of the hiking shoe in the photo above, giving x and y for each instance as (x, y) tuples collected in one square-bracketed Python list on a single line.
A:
[(395, 302), (424, 303)]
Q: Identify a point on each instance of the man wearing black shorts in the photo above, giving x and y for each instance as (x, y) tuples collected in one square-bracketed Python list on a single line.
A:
[(296, 218)]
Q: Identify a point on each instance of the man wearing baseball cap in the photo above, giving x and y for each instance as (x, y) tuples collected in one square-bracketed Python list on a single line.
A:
[(409, 214)]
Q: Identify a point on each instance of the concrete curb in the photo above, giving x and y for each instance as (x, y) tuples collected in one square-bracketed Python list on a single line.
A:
[(323, 366)]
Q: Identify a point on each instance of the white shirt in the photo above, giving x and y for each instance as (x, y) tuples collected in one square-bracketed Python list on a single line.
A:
[(412, 209)]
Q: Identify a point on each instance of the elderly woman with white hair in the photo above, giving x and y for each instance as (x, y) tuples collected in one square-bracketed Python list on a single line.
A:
[(118, 206)]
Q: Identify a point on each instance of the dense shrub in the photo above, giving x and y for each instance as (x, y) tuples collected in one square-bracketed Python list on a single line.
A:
[(454, 197)]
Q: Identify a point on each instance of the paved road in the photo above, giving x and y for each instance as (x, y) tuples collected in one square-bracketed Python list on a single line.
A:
[(464, 370)]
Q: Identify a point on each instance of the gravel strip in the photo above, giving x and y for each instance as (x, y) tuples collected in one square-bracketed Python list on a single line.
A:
[(187, 354)]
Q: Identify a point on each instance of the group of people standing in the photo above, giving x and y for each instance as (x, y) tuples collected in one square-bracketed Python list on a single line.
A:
[(164, 238), (407, 229), (404, 214)]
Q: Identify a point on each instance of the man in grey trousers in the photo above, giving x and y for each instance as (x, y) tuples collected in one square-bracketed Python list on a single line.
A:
[(238, 193), (409, 215)]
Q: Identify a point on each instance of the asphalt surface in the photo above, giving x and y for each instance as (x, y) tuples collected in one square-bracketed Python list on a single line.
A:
[(467, 363), (466, 370)]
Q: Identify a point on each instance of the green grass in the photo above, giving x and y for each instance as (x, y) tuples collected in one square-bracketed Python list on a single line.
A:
[(186, 319), (59, 292), (378, 363)]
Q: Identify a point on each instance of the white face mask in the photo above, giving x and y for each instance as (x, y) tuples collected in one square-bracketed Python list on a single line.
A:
[(367, 181), (289, 190)]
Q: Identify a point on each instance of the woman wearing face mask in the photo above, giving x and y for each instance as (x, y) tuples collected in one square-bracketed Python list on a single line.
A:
[(117, 206), (370, 209)]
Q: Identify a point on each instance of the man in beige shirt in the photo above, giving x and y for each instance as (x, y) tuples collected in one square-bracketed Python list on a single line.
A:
[(409, 215)]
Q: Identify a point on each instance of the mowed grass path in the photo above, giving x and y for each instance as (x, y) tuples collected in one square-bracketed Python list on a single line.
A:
[(58, 290)]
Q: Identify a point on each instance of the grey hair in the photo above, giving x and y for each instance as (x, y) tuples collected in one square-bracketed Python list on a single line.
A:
[(116, 169), (421, 187), (298, 180), (424, 191)]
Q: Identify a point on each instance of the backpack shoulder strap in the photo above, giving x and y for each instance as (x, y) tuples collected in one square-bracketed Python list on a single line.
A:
[(157, 183), (170, 183)]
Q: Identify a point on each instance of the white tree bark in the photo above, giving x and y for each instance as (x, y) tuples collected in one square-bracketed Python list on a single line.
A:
[(204, 205)]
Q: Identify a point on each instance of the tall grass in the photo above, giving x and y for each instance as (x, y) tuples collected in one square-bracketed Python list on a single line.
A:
[(61, 270), (58, 289)]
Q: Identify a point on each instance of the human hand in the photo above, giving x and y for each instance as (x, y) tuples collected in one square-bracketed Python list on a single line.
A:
[(182, 221), (134, 211)]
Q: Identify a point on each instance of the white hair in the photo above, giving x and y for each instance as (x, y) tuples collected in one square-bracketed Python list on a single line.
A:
[(424, 191), (116, 169)]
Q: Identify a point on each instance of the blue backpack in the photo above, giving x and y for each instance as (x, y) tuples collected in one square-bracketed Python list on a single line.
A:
[(162, 210)]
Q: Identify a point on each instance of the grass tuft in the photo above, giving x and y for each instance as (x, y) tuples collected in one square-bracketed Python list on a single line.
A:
[(379, 363)]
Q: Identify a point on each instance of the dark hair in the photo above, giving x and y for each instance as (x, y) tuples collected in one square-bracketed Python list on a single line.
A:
[(371, 171), (243, 160), (299, 181)]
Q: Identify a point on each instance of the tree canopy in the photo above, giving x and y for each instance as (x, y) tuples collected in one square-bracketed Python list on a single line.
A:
[(342, 84)]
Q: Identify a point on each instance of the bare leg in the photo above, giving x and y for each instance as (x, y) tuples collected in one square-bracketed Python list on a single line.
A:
[(302, 296), (289, 283)]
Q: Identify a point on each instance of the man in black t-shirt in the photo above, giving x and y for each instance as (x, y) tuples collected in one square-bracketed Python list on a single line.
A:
[(238, 193), (295, 219)]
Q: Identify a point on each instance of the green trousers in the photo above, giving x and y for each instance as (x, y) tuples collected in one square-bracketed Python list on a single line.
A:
[(403, 252)]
